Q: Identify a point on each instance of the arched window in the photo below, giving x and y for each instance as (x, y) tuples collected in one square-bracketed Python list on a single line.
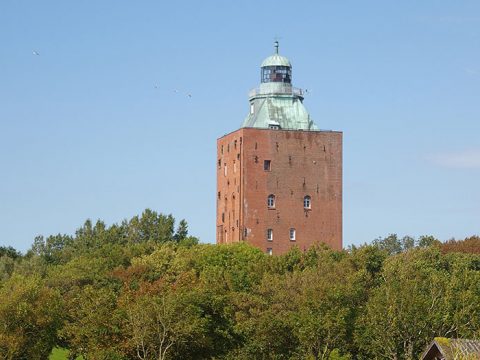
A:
[(307, 202), (271, 201), (292, 234)]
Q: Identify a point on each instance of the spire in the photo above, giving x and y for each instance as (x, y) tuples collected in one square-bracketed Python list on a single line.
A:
[(276, 47)]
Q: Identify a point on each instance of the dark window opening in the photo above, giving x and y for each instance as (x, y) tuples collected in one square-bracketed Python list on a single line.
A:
[(266, 165), (270, 234), (307, 202), (292, 234), (271, 201)]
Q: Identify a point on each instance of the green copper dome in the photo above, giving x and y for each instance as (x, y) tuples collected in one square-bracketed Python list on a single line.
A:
[(276, 104), (276, 60)]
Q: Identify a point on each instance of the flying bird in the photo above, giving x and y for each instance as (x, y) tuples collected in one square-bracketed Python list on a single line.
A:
[(35, 53)]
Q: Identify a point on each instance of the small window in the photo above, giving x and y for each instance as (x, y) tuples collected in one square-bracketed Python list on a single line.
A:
[(219, 163), (252, 108), (269, 251), (219, 195), (292, 234), (223, 217), (271, 201), (266, 165), (274, 126), (307, 202), (270, 234), (235, 144), (225, 169), (222, 149)]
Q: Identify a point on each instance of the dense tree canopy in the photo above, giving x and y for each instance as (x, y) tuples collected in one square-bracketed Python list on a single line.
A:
[(145, 289)]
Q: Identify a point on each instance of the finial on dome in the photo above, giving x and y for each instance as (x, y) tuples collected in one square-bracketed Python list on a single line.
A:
[(276, 46)]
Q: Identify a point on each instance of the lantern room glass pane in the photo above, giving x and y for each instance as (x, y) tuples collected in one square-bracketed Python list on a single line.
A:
[(277, 74)]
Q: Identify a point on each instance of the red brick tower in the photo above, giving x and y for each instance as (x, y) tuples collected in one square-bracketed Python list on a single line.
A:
[(279, 178)]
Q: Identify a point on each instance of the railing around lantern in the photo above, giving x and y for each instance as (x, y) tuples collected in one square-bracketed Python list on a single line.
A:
[(281, 91)]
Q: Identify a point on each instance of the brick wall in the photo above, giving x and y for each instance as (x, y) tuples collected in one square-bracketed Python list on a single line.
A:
[(302, 163)]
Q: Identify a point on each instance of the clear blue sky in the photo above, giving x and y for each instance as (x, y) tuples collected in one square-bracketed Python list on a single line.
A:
[(84, 132)]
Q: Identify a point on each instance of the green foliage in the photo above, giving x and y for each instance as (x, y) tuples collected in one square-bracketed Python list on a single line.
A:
[(10, 252), (9, 257), (146, 289), (30, 315), (423, 294), (61, 354)]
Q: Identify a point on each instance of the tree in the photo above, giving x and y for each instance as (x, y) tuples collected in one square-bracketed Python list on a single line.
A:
[(469, 245), (94, 325), (393, 245), (9, 252), (182, 231), (408, 309), (162, 323), (30, 315)]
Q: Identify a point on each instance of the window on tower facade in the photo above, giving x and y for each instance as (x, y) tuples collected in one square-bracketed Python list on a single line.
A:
[(307, 202), (271, 201), (269, 251), (270, 234), (266, 165), (292, 234)]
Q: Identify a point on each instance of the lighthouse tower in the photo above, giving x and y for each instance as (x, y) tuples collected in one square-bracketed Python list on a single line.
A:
[(279, 178)]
